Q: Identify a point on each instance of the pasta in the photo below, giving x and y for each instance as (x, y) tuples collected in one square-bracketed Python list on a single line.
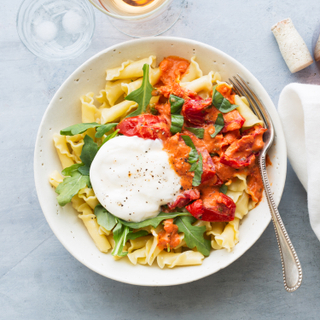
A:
[(164, 243)]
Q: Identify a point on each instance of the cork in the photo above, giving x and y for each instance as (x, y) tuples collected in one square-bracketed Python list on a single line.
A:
[(292, 47)]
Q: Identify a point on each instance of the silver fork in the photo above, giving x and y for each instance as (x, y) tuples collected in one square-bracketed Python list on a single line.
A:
[(291, 267)]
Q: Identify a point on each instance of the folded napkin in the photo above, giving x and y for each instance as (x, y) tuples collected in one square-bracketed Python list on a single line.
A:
[(299, 110)]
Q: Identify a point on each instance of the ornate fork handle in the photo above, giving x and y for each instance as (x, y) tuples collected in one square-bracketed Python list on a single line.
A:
[(291, 268)]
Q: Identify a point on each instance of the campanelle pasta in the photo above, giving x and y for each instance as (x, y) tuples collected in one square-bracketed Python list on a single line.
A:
[(145, 250)]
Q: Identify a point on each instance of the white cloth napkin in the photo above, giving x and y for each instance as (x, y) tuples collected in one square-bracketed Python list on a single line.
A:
[(299, 110)]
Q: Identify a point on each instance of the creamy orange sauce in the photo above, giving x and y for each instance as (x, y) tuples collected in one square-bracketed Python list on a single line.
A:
[(169, 237), (172, 68), (226, 91)]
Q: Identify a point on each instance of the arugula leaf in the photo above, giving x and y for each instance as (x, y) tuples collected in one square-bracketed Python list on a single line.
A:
[(218, 126), (193, 154), (197, 172), (110, 136), (89, 150), (120, 233), (135, 235), (70, 170), (78, 128), (142, 95), (176, 123), (101, 130), (70, 186), (223, 189), (176, 104), (154, 222), (193, 235), (198, 132), (104, 217), (221, 103)]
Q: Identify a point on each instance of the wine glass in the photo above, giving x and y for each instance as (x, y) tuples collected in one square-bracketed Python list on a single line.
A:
[(141, 18)]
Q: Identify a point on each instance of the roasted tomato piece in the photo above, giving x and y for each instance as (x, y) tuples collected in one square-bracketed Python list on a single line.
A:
[(184, 198), (215, 207), (194, 111), (241, 153), (232, 121), (255, 184), (169, 237), (207, 166), (145, 126)]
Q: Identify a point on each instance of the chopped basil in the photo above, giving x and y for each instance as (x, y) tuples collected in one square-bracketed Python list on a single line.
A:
[(176, 104), (193, 154), (218, 126), (198, 170), (198, 132), (223, 189), (214, 154), (221, 103), (154, 111), (176, 123), (142, 95)]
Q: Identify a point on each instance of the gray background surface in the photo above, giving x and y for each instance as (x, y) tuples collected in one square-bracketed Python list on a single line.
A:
[(39, 279)]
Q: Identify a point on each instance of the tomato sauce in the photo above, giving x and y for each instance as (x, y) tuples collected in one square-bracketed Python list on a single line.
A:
[(172, 68), (169, 237)]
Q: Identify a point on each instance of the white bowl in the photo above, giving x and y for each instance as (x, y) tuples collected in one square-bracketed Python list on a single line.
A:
[(64, 110)]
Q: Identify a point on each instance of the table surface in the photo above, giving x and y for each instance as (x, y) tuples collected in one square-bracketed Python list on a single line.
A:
[(39, 279)]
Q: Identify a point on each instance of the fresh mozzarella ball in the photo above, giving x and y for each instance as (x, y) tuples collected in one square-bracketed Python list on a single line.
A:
[(132, 178)]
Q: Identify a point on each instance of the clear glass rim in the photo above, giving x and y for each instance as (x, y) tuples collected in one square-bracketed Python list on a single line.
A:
[(129, 18)]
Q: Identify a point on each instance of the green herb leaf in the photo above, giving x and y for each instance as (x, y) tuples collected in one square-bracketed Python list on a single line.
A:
[(198, 132), (214, 154), (154, 111), (176, 123), (110, 136), (193, 154), (120, 233), (142, 95), (70, 186), (89, 150), (70, 170), (135, 235), (218, 126), (197, 172), (154, 222), (176, 104), (221, 103), (193, 235), (104, 217), (223, 189), (101, 130), (78, 128)]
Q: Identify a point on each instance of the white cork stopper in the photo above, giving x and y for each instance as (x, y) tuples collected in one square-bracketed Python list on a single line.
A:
[(292, 47), (317, 50)]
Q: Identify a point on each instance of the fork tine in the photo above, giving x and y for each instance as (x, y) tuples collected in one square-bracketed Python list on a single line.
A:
[(257, 104)]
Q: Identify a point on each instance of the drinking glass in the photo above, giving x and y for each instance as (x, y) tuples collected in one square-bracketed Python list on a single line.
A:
[(56, 29), (141, 18)]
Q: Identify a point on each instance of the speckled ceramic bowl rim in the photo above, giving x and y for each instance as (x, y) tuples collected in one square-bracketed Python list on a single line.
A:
[(153, 276)]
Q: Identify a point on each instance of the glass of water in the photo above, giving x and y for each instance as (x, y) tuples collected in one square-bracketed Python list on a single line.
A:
[(56, 29), (141, 18)]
